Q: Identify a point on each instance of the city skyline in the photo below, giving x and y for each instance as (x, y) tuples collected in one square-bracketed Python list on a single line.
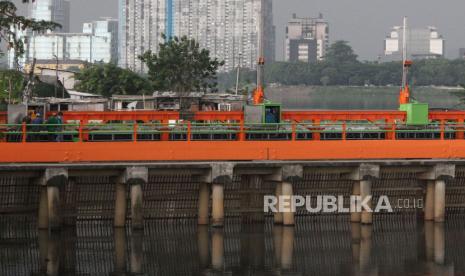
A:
[(365, 31)]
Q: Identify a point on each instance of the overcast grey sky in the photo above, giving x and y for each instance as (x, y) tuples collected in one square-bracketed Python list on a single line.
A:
[(364, 23)]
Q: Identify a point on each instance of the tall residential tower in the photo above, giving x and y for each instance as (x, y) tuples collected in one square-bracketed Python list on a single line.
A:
[(229, 29)]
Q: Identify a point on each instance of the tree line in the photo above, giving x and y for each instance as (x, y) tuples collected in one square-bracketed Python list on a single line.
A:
[(341, 67)]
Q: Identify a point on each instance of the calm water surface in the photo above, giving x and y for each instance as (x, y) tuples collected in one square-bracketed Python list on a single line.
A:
[(320, 245)]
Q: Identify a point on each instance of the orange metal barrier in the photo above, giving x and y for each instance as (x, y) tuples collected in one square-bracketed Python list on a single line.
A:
[(3, 117), (230, 151), (86, 116)]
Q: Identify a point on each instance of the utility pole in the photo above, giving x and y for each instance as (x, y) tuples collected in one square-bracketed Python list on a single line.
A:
[(57, 79), (9, 90), (238, 73)]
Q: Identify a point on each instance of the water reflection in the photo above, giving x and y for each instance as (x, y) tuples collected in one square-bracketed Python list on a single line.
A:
[(316, 246)]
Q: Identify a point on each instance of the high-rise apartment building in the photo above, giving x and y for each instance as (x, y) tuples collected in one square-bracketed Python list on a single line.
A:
[(422, 43), (52, 10), (307, 39), (229, 29)]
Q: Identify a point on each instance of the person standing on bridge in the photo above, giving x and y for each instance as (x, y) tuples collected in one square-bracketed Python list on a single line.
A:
[(52, 123), (60, 127)]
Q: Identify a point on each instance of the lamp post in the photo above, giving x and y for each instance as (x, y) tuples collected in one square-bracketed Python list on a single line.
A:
[(56, 71)]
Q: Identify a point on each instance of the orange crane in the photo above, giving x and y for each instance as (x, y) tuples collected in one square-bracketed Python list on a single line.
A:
[(259, 93), (404, 96)]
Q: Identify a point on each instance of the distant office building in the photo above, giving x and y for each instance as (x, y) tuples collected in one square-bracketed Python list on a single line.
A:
[(422, 43), (307, 39), (462, 53), (97, 43), (229, 29), (52, 10)]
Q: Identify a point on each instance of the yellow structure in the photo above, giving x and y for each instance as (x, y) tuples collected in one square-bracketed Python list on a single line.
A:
[(52, 64)]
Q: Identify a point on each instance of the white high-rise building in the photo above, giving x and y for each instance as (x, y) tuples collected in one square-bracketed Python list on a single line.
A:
[(422, 43), (229, 29), (52, 10), (307, 39)]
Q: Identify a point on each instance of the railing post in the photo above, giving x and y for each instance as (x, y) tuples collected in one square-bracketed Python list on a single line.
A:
[(344, 131), (294, 134), (242, 131), (189, 131), (24, 132), (135, 133), (442, 130), (316, 135), (459, 129), (393, 131), (80, 131)]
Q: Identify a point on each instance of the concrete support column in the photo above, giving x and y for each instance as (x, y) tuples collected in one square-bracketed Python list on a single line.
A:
[(355, 216), (365, 191), (135, 177), (287, 192), (429, 200), (137, 216), (120, 204), (217, 205), (429, 240), (278, 216), (365, 247), (54, 217), (204, 198), (439, 200), (42, 221), (49, 216), (53, 255), (217, 249)]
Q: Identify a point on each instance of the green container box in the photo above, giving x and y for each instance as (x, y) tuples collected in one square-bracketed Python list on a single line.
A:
[(417, 113)]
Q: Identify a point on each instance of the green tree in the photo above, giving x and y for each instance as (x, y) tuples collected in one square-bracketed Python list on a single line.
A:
[(340, 53), (107, 79), (11, 23), (181, 66), (11, 85)]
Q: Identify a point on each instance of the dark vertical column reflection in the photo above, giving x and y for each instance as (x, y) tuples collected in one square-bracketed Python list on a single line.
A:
[(203, 246), (120, 250), (137, 238)]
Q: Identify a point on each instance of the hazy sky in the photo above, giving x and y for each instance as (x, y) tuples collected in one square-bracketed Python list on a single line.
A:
[(364, 23)]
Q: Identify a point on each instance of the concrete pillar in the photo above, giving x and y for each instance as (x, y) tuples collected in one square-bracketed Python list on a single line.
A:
[(439, 243), (135, 177), (287, 248), (439, 200), (54, 218), (287, 192), (429, 200), (217, 205), (355, 216), (217, 249), (42, 221), (204, 198), (429, 240), (49, 202), (120, 204), (365, 191), (278, 216), (203, 246), (137, 216), (136, 251), (120, 251)]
